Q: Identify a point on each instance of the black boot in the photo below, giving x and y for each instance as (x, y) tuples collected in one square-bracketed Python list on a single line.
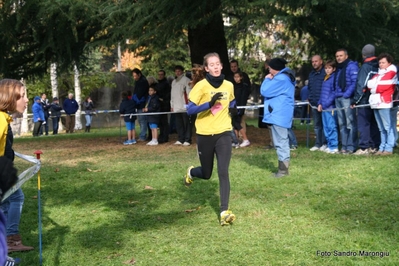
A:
[(282, 169), (88, 129)]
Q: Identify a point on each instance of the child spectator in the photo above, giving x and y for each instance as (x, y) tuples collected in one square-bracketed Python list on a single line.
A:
[(326, 103), (241, 94), (127, 108), (153, 106)]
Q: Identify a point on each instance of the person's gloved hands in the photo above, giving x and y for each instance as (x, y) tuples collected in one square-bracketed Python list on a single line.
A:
[(8, 175), (215, 97)]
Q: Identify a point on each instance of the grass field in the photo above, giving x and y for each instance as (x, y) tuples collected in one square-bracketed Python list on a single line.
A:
[(108, 204)]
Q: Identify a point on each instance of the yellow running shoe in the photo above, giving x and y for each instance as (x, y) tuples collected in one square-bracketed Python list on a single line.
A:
[(226, 217), (188, 180)]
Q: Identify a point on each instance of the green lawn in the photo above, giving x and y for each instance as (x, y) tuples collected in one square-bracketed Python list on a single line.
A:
[(106, 204)]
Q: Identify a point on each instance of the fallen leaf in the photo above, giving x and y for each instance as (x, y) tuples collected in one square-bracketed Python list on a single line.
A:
[(34, 197), (90, 170), (130, 262), (148, 187), (56, 170)]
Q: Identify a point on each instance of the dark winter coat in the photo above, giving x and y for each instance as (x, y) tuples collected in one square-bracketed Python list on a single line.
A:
[(316, 79), (140, 92), (351, 76), (128, 107), (153, 106), (366, 72)]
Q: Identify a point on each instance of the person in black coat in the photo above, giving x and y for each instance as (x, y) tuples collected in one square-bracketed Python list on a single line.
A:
[(55, 110)]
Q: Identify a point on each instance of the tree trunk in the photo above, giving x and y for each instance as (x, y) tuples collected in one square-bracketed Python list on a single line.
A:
[(78, 124), (209, 38)]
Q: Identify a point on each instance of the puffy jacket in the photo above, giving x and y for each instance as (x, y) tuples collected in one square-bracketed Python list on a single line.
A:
[(316, 79), (37, 110), (351, 76), (327, 95), (128, 107), (153, 106), (278, 96), (366, 72)]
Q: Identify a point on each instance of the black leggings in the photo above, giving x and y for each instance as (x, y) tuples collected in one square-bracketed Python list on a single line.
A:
[(208, 146)]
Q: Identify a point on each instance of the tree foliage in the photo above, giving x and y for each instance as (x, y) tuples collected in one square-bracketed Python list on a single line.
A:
[(36, 33)]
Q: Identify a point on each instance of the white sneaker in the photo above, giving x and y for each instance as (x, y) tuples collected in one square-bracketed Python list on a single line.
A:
[(186, 143), (314, 148), (153, 143), (322, 148), (178, 143), (331, 151), (245, 143)]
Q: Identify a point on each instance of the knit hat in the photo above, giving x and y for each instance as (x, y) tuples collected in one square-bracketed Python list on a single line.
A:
[(36, 98), (277, 63), (368, 50), (55, 99)]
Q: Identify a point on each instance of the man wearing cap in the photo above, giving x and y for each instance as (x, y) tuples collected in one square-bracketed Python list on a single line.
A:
[(344, 86), (70, 107), (369, 135), (55, 110), (278, 90)]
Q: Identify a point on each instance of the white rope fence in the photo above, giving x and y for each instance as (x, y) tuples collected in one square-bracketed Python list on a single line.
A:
[(25, 175)]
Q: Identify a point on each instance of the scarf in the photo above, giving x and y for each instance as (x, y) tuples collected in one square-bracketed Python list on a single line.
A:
[(342, 75), (216, 82)]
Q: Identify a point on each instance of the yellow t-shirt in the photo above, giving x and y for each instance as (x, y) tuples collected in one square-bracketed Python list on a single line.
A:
[(218, 121), (5, 119)]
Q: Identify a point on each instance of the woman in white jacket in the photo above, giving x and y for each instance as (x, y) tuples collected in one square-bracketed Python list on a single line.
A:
[(382, 86)]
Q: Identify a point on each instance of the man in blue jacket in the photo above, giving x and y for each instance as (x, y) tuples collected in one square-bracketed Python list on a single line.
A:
[(38, 116), (70, 107), (278, 90), (344, 85), (316, 78), (369, 134)]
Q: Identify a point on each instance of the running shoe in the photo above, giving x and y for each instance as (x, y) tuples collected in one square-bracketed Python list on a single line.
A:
[(188, 180), (226, 217)]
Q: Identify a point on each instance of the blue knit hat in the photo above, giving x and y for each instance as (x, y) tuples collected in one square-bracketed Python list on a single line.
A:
[(36, 98)]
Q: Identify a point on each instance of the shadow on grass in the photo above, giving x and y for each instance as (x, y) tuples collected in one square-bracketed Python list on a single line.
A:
[(134, 208)]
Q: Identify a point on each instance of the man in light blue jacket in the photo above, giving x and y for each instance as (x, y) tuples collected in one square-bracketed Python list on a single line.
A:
[(278, 90)]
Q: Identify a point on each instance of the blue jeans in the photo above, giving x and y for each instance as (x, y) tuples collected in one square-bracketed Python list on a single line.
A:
[(292, 138), (88, 120), (281, 142), (56, 121), (347, 124), (383, 117), (143, 124), (12, 209), (330, 129), (318, 128), (394, 122)]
